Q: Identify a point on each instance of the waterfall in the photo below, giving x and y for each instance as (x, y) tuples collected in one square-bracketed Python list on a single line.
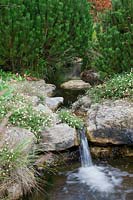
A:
[(90, 174), (85, 155)]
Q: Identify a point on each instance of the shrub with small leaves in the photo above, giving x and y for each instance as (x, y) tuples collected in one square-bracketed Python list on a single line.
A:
[(114, 39), (38, 35), (120, 86), (22, 113), (30, 119), (71, 119)]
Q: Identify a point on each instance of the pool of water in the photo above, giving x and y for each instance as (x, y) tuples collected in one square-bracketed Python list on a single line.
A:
[(112, 180)]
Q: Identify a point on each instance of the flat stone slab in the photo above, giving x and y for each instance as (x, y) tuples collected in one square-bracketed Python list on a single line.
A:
[(75, 85)]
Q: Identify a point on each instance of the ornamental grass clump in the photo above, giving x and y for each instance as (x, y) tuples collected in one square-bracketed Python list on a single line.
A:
[(16, 167), (71, 119)]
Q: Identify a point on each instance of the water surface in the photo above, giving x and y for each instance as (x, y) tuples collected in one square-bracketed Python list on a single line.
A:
[(112, 180)]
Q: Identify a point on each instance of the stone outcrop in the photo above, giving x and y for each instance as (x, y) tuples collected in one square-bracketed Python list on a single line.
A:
[(111, 151), (58, 137), (75, 85), (111, 123)]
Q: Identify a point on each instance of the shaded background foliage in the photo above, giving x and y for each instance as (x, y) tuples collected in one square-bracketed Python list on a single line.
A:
[(112, 45), (39, 35)]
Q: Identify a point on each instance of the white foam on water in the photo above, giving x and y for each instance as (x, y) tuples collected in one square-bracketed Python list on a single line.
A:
[(96, 179)]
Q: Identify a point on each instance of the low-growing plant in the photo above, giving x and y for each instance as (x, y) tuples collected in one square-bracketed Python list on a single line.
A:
[(3, 86), (22, 113), (7, 76), (71, 119), (30, 119), (120, 86)]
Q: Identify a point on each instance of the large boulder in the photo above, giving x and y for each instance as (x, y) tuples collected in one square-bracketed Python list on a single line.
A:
[(111, 123), (57, 138), (75, 85)]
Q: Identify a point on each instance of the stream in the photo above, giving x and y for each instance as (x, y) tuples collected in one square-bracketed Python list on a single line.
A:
[(112, 180)]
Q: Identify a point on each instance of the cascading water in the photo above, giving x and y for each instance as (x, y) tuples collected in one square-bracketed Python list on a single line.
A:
[(86, 160), (90, 174)]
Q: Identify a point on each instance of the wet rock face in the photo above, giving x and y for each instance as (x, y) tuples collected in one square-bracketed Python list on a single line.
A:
[(111, 123), (108, 152)]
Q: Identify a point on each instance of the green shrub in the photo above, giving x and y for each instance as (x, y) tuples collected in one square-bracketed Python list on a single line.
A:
[(71, 119), (40, 35), (120, 86), (115, 39)]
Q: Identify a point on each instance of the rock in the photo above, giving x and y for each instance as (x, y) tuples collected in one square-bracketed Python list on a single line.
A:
[(34, 88), (75, 85), (52, 159), (111, 123), (43, 108), (82, 105), (44, 160), (46, 110), (15, 135), (90, 76), (54, 102), (50, 89), (15, 192), (33, 99), (57, 138), (111, 151)]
